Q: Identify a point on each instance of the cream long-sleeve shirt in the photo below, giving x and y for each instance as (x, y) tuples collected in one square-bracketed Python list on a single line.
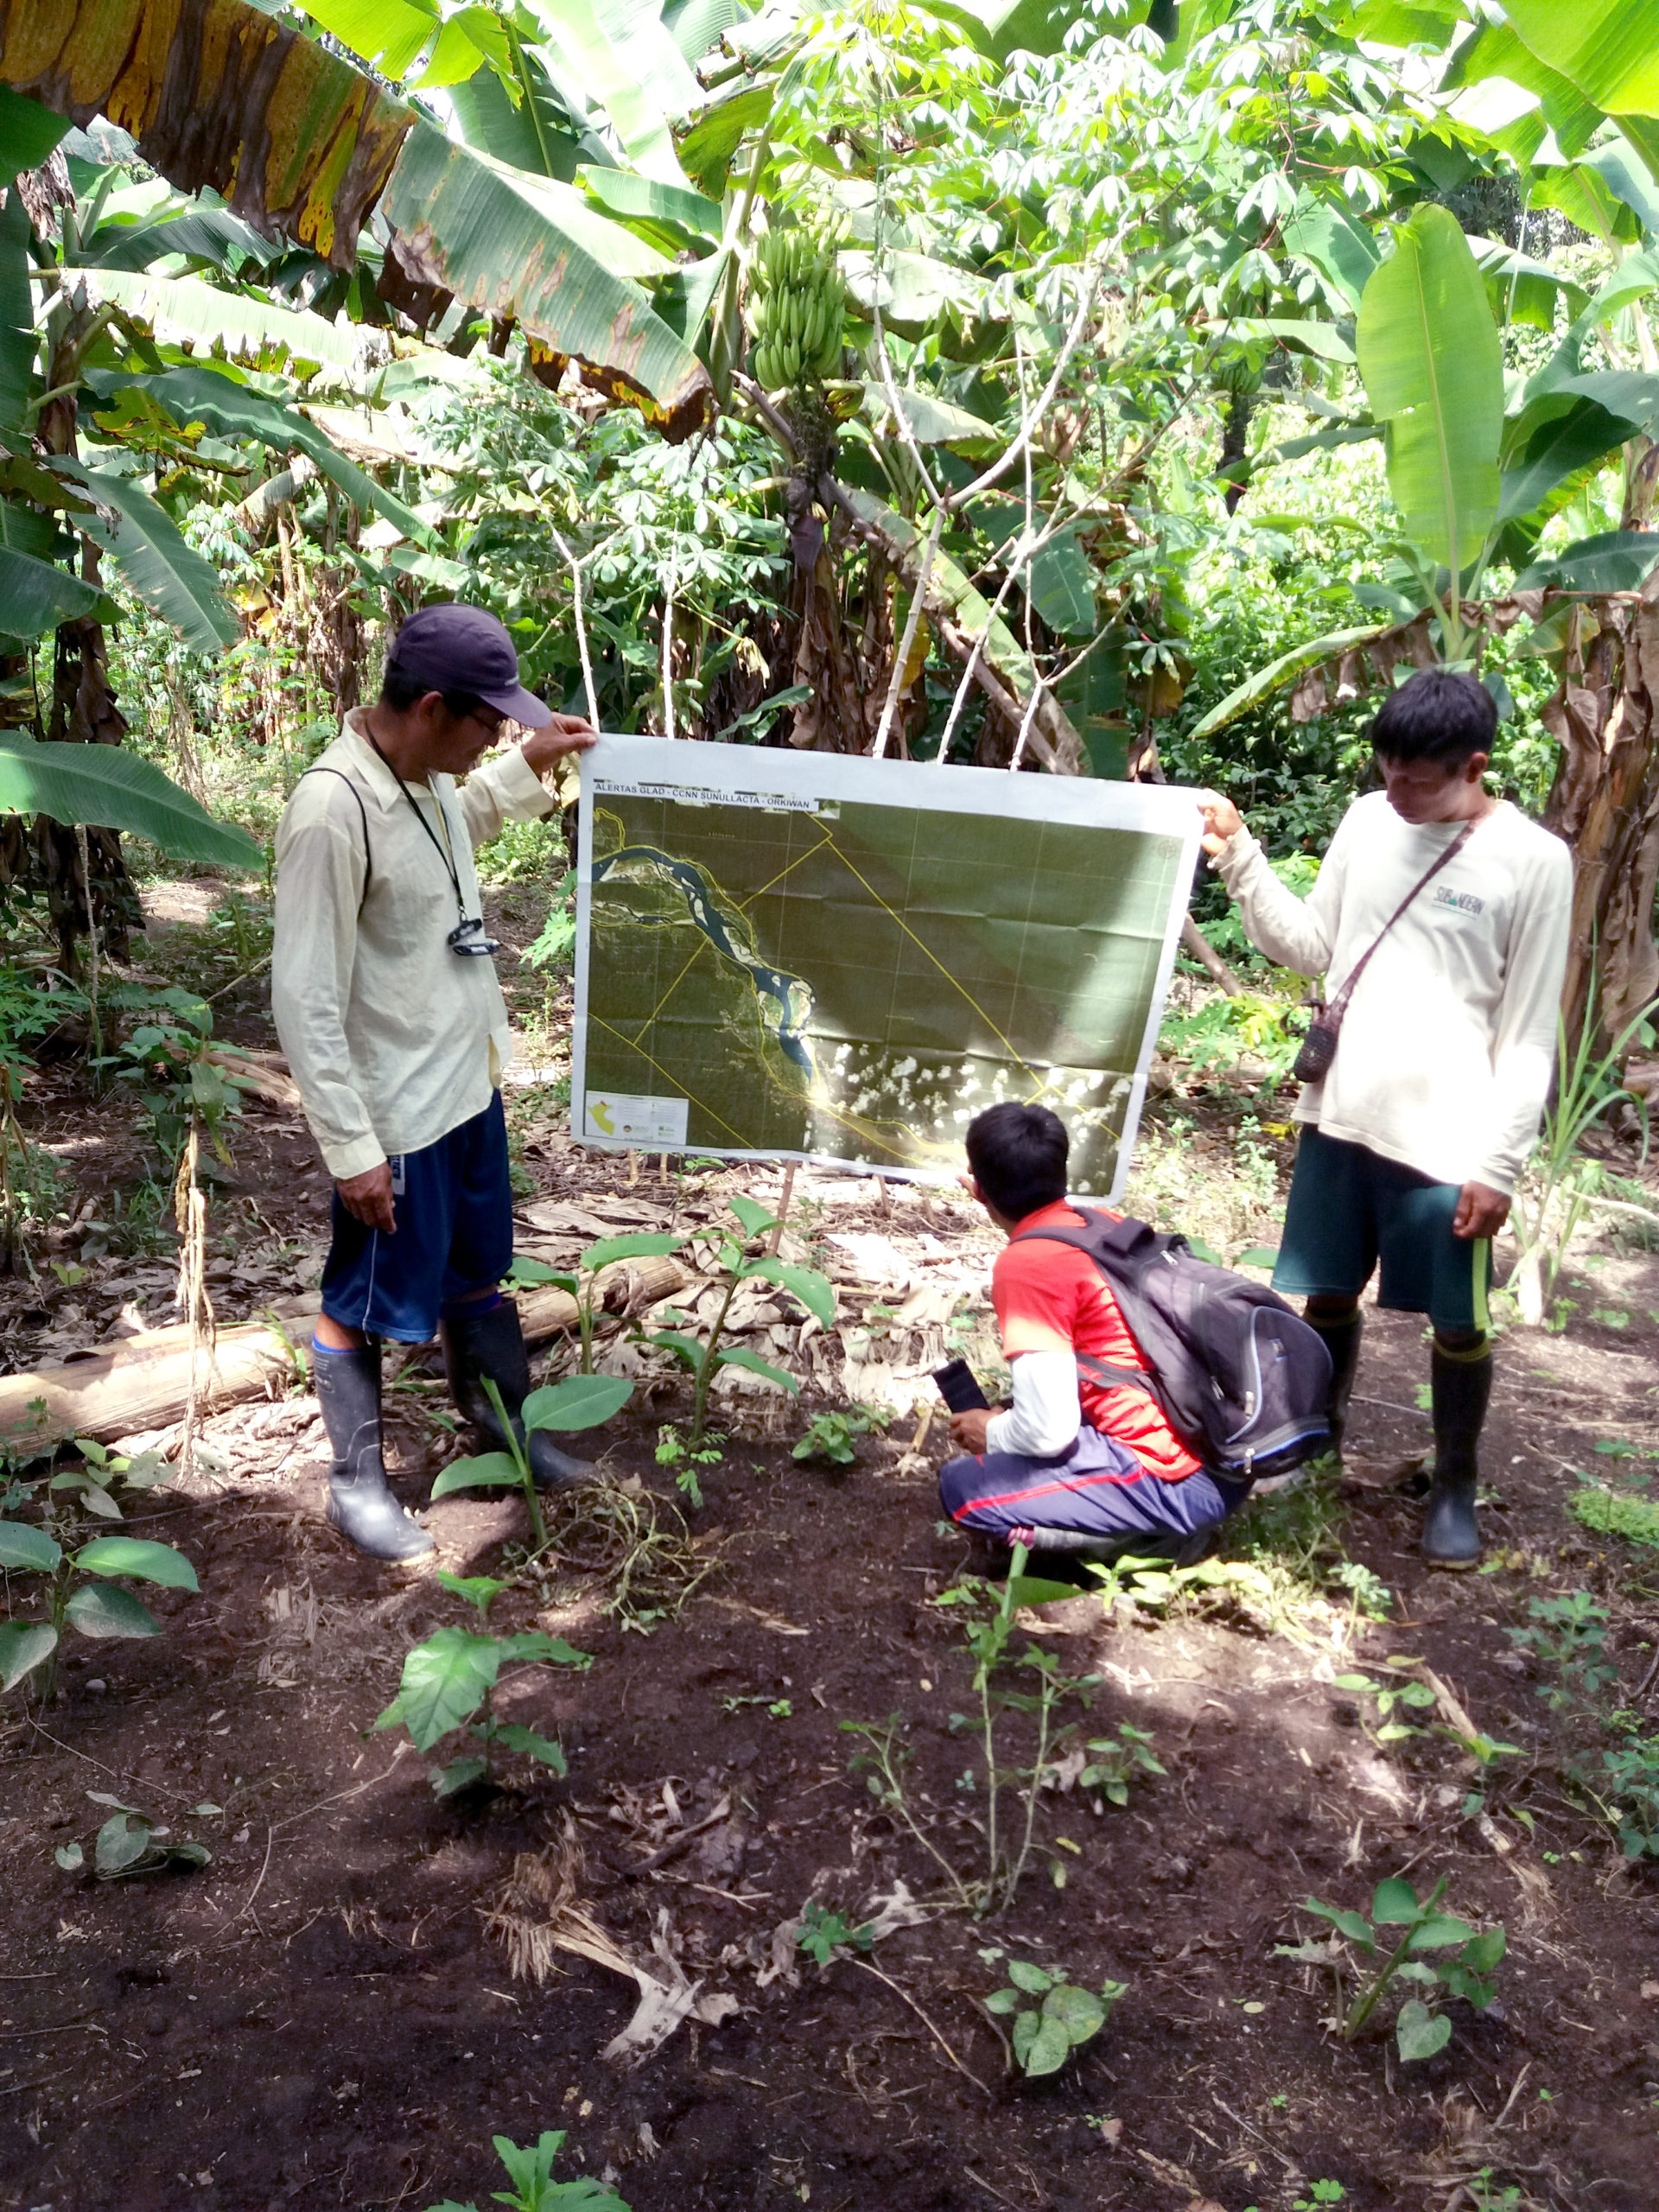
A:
[(393, 1040), (1448, 1042)]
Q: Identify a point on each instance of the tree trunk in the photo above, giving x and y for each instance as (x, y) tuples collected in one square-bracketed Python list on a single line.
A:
[(1605, 805)]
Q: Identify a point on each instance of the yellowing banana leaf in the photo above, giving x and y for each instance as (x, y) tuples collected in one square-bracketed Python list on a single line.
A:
[(1433, 372), (491, 235), (158, 567), (106, 786), (1257, 688), (199, 315)]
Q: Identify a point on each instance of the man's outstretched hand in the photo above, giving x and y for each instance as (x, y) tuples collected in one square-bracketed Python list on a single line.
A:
[(969, 1429), (367, 1198), (1481, 1212), (1222, 820)]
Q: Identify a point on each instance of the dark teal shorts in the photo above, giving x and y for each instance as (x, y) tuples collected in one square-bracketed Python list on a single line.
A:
[(1350, 1209)]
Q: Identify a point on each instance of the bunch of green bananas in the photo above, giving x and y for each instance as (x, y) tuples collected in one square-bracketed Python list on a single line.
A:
[(797, 304)]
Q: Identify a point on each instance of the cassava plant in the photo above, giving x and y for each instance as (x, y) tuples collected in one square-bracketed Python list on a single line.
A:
[(449, 1682), (731, 1256), (1418, 2032)]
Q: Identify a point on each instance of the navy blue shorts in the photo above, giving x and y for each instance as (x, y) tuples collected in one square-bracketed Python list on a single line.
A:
[(1349, 1209), (1096, 1489), (453, 1201)]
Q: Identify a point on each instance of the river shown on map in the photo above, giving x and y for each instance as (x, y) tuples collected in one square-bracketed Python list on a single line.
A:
[(787, 999)]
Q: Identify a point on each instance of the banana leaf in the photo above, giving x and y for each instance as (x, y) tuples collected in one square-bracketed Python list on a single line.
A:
[(1606, 49), (36, 596), (1257, 687), (1342, 251), (639, 87), (686, 217), (538, 133), (1498, 49), (103, 786), (204, 316), (28, 134), (195, 394), (1432, 367), (19, 340), (149, 549), (389, 33), (1615, 560)]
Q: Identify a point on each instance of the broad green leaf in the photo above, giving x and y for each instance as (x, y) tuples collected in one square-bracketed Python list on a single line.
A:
[(19, 341), (1433, 366), (28, 134), (707, 149), (1255, 687), (531, 1745), (814, 1290), (390, 34), (751, 1215), (1317, 339), (459, 1774), (1498, 50), (1420, 2033), (526, 1270), (106, 784), (645, 201), (23, 1644), (677, 1341), (577, 1402), (1034, 1590), (158, 567), (70, 1857), (1049, 2048), (1025, 2034), (1605, 47), (1035, 1981), (511, 244), (36, 596), (199, 314), (22, 1545), (739, 1356), (1440, 1929), (122, 1842), (195, 393), (537, 133), (639, 1244), (100, 1609), (1394, 1903), (1002, 2000), (1341, 249), (914, 289), (483, 1473), (1079, 2011), (1347, 1923), (1259, 1255), (1615, 560), (1482, 1953), (445, 1680), (145, 1562), (535, 1644), (1062, 586), (936, 422)]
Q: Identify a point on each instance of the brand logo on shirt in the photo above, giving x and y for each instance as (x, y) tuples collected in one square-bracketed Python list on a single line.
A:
[(1465, 901)]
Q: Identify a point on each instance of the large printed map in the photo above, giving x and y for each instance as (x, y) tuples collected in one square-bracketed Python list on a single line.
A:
[(782, 954)]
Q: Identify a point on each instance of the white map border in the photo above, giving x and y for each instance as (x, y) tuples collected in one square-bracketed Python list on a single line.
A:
[(746, 774)]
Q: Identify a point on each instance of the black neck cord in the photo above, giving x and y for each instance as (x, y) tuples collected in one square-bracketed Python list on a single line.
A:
[(432, 838)]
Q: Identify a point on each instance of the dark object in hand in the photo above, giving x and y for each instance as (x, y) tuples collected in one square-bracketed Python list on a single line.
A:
[(957, 1386), (1318, 1049)]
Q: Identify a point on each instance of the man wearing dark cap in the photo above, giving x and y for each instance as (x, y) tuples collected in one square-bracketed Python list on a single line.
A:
[(388, 1007)]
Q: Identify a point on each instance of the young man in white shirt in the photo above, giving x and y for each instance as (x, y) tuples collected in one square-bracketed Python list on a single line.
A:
[(387, 1005), (1411, 1142)]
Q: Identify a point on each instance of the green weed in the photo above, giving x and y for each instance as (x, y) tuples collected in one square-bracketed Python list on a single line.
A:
[(1418, 2032), (531, 2171), (1051, 2017)]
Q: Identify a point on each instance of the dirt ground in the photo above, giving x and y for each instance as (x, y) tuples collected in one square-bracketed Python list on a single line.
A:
[(325, 2015)]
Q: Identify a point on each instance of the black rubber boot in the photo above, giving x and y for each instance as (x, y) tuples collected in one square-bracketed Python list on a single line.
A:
[(490, 1343), (360, 1505), (1341, 1339), (1462, 1388)]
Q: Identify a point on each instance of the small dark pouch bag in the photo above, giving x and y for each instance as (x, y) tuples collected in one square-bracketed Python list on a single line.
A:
[(1320, 1045)]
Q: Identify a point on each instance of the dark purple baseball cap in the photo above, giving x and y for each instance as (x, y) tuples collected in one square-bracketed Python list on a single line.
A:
[(451, 648)]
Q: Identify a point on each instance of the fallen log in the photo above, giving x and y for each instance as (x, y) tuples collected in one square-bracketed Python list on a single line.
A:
[(143, 1381)]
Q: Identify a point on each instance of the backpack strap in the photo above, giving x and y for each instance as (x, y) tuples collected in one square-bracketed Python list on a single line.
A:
[(1132, 1244), (368, 854)]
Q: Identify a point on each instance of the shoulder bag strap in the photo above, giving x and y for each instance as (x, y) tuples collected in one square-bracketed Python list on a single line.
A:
[(368, 856), (1338, 1007)]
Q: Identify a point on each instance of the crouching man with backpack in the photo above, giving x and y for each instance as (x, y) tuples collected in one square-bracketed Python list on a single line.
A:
[(1442, 915), (1087, 1461)]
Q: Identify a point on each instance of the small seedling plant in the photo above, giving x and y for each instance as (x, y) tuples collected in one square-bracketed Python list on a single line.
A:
[(1115, 1762), (80, 1589), (1405, 1695), (578, 1402), (129, 1843), (449, 1682), (829, 1436), (736, 1263), (822, 1935), (672, 1451), (1051, 2017), (1568, 1633), (1631, 1782), (1418, 2031), (530, 2169), (583, 1284)]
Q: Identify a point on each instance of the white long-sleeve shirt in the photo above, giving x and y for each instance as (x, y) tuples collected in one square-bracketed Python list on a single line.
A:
[(1046, 1416), (393, 1038), (1448, 1042)]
